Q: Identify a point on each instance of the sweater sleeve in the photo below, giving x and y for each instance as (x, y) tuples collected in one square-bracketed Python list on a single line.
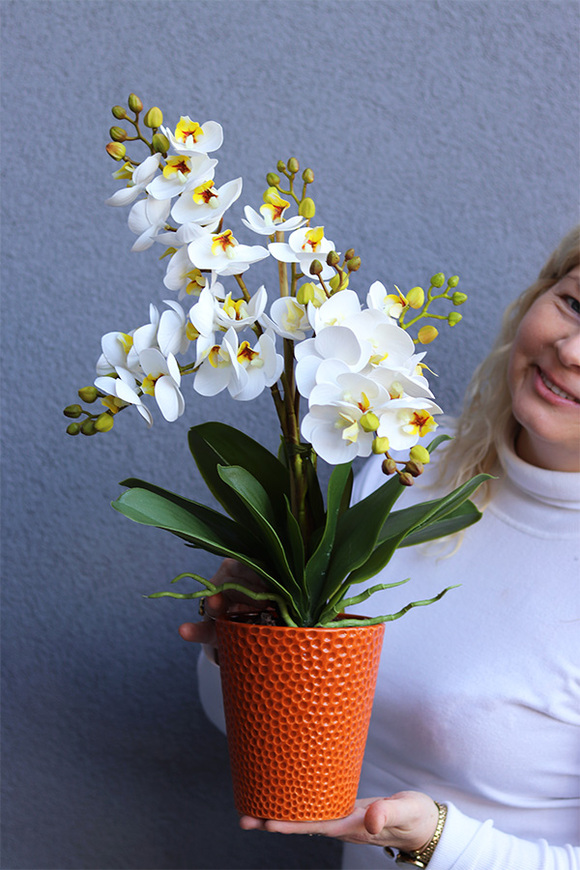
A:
[(467, 844), (210, 689)]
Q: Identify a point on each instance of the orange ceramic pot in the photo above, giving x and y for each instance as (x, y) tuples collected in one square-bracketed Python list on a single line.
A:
[(297, 706)]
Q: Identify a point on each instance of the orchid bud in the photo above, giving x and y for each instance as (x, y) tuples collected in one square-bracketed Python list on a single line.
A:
[(307, 209), (293, 165), (272, 179), (380, 445), (353, 264), (271, 195), (315, 267), (369, 422), (153, 117), (104, 422), (459, 298), (453, 318), (73, 429), (73, 411), (418, 453), (306, 293), (405, 478), (88, 427), (117, 134), (116, 150), (160, 143), (349, 254), (414, 468), (389, 466), (438, 280), (333, 259), (453, 281), (427, 334), (416, 297), (308, 176), (135, 103), (119, 112), (88, 394), (338, 282), (281, 166)]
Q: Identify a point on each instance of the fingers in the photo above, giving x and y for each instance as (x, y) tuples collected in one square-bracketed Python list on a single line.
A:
[(199, 632)]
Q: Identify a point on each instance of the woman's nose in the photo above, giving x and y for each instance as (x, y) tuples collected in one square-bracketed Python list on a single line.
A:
[(568, 349)]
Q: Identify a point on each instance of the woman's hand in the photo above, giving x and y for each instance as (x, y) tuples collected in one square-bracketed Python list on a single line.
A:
[(406, 820), (224, 602)]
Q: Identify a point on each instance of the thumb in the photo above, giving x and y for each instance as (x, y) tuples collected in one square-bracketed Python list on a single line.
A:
[(379, 814)]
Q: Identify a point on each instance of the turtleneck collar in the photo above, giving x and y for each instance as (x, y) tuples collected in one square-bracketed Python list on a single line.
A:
[(524, 492)]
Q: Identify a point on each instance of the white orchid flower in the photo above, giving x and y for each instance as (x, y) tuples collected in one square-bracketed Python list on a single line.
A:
[(304, 246), (388, 343), (265, 225), (243, 370), (343, 415), (174, 334), (238, 313), (124, 387), (203, 316), (141, 176), (341, 307), (117, 353), (184, 234), (288, 318), (205, 204), (162, 380), (143, 337), (333, 343), (180, 174), (379, 299), (182, 275), (407, 419), (223, 255), (262, 367), (399, 383), (192, 138), (218, 369), (146, 219)]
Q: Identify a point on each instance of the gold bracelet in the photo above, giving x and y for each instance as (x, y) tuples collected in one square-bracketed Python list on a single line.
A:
[(421, 857)]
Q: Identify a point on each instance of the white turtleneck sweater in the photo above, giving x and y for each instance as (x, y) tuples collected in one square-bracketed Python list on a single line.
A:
[(478, 695)]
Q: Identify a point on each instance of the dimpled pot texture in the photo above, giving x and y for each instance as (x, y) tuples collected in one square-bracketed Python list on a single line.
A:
[(297, 705)]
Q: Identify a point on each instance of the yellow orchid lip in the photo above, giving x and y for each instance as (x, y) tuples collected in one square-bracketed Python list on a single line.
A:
[(177, 165), (204, 193), (187, 129), (223, 242), (313, 239)]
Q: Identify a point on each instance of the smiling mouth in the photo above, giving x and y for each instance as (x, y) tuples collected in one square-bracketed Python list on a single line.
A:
[(557, 390)]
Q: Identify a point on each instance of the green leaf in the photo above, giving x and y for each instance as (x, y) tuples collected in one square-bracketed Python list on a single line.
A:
[(201, 526), (197, 523), (461, 518), (402, 523), (256, 499), (214, 444), (317, 565), (357, 532)]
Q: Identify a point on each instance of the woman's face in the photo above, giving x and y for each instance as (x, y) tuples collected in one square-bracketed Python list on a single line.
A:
[(544, 378)]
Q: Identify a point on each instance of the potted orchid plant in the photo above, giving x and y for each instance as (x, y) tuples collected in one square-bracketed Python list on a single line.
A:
[(347, 380)]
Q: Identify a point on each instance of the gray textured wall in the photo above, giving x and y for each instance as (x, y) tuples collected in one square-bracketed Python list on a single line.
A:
[(444, 135)]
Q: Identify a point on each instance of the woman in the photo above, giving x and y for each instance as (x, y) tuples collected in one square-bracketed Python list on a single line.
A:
[(475, 732)]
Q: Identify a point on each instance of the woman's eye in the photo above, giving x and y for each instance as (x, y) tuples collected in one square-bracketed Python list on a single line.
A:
[(573, 302)]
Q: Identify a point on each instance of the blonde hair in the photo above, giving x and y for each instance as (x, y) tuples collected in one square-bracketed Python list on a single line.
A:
[(487, 417)]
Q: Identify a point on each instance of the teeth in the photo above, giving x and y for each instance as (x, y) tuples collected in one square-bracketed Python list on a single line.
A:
[(551, 386)]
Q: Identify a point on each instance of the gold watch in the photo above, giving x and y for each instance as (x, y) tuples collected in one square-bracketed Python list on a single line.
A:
[(421, 857)]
